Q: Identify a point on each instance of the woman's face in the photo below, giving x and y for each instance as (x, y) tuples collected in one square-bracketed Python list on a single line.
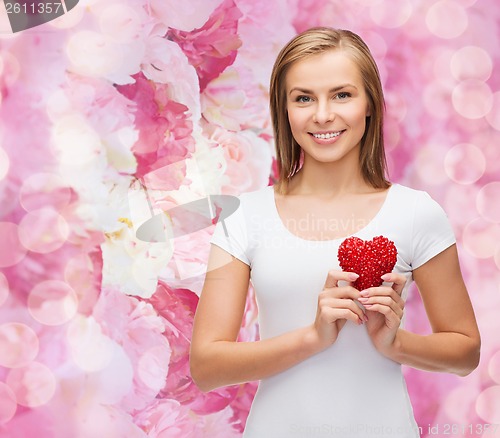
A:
[(327, 106)]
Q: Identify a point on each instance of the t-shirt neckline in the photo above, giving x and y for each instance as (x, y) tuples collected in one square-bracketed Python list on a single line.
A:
[(277, 216)]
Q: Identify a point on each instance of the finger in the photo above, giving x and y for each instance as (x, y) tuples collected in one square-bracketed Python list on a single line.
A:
[(391, 317), (396, 307), (342, 303), (334, 276), (333, 314), (382, 291), (398, 281), (341, 292)]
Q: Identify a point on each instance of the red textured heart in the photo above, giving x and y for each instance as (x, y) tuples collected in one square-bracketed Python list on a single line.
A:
[(369, 259)]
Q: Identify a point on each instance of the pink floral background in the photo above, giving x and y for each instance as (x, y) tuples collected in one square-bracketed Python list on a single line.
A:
[(123, 109)]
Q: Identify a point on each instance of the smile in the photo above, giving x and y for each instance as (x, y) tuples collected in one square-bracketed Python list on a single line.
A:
[(327, 135)]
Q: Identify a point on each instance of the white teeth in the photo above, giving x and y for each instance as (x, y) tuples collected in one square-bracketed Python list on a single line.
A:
[(327, 136)]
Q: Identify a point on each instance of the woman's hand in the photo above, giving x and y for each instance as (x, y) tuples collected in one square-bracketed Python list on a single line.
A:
[(336, 305), (384, 307)]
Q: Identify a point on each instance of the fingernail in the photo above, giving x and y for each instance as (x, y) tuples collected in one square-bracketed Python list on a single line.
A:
[(363, 299), (364, 293), (386, 277), (365, 317), (352, 276)]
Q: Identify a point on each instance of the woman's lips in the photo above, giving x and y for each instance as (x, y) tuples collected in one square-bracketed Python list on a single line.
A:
[(326, 137)]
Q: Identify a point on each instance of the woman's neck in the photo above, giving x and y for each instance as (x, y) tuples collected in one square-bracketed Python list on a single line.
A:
[(328, 179)]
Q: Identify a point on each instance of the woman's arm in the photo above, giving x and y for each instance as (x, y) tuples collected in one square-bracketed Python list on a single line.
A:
[(455, 342), (217, 359)]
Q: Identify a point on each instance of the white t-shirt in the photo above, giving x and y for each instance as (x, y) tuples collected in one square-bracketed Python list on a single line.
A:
[(348, 390)]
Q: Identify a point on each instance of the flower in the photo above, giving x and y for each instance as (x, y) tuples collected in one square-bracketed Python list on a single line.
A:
[(220, 424), (211, 48), (177, 307), (163, 124), (165, 63), (264, 29), (184, 16), (167, 418), (137, 328), (248, 159), (235, 101)]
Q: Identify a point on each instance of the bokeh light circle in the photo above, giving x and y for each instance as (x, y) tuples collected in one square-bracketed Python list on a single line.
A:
[(446, 19), (18, 345), (12, 250), (397, 107), (43, 230), (8, 403), (437, 98), (488, 201), (494, 367), (459, 404), (467, 3), (377, 44), (480, 238), (4, 163), (4, 288), (34, 384), (429, 164), (488, 404), (488, 140), (458, 201), (392, 133), (44, 189), (472, 99), (52, 302), (496, 258), (493, 116), (440, 60), (80, 274), (390, 14), (464, 163), (471, 62)]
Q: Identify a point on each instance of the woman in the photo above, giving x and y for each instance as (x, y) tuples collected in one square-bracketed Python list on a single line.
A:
[(329, 359)]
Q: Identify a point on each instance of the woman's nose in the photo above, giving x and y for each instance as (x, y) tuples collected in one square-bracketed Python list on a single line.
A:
[(323, 114)]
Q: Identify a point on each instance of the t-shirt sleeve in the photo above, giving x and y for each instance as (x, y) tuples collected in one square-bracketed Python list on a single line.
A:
[(432, 231), (230, 234)]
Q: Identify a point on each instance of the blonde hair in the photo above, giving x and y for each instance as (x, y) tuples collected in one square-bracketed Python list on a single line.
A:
[(315, 41)]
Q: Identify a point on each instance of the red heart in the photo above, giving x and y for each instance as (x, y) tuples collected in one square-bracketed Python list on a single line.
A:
[(369, 259)]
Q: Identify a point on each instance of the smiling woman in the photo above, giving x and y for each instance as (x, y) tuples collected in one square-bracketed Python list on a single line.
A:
[(321, 115), (331, 347)]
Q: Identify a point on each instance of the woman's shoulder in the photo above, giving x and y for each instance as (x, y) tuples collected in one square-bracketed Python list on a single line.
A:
[(256, 196), (419, 203), (406, 195), (405, 191)]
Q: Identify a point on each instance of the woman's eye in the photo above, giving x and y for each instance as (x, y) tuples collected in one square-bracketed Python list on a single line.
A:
[(303, 99), (343, 95)]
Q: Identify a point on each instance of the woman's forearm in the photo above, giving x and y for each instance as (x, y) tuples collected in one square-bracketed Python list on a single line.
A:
[(443, 352), (222, 363)]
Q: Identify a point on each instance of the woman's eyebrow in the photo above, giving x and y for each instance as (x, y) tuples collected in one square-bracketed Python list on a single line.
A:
[(332, 90)]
